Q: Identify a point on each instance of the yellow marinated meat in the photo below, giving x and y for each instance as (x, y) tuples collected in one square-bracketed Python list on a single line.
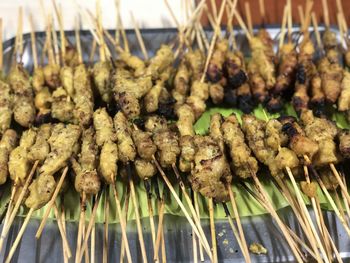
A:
[(6, 105), (43, 100), (344, 143), (243, 163), (126, 146), (128, 104), (151, 99), (103, 125), (215, 66), (195, 59), (19, 164), (215, 130), (216, 93), (163, 58), (101, 74), (181, 83), (167, 143), (187, 153), (144, 144), (134, 63), (38, 79), (211, 171), (7, 144), (344, 98), (331, 82), (155, 123), (62, 145), (310, 189), (40, 191), (186, 120), (41, 148), (62, 106), (66, 76), (52, 75), (108, 167), (83, 98), (145, 169)]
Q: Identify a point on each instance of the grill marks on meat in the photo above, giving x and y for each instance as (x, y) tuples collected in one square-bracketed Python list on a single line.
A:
[(243, 163), (211, 171)]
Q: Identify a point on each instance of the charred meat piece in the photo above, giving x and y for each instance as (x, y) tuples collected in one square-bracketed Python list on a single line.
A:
[(215, 67), (344, 143), (144, 144)]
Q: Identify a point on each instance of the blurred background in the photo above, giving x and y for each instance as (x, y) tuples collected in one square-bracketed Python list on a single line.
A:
[(152, 13)]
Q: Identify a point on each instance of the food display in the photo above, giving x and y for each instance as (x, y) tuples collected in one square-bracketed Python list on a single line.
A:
[(93, 127)]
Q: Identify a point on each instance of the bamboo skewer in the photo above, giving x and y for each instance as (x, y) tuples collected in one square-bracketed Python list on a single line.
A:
[(51, 204), (139, 37), (126, 210), (193, 225), (105, 235), (160, 229), (249, 17), (80, 227), (196, 206), (66, 249), (7, 224), (122, 223), (137, 215), (212, 230), (325, 13), (19, 236)]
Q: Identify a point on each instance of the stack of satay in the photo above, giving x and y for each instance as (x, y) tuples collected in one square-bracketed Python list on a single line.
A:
[(85, 126)]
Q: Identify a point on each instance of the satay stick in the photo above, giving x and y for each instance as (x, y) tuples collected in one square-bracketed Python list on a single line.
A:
[(195, 250), (262, 11), (19, 236), (330, 199), (126, 209), (139, 36), (279, 222), (325, 13), (230, 27), (213, 41), (160, 229), (243, 241), (248, 16), (55, 43), (99, 30), (306, 212), (293, 235), (51, 203), (92, 52), (93, 244), (122, 222), (340, 27), (7, 225), (90, 226), (150, 212), (20, 23), (120, 28), (340, 182), (346, 203), (77, 39), (63, 220), (61, 27), (137, 214), (66, 248), (317, 33), (33, 40), (212, 230), (201, 237), (196, 206), (189, 202), (283, 27), (290, 22), (105, 224), (80, 227)]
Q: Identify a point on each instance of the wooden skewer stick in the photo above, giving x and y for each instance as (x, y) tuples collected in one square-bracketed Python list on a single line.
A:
[(63, 220), (272, 211), (61, 27), (212, 230), (317, 33), (122, 223), (19, 236), (7, 224), (160, 229), (139, 36), (90, 226), (66, 248), (178, 200), (33, 40), (51, 203), (196, 206), (325, 13), (290, 22), (249, 17), (306, 212), (262, 11), (340, 181), (189, 203), (243, 242), (301, 16), (80, 227), (126, 210), (330, 200), (150, 212), (105, 223), (137, 215), (346, 203), (283, 28)]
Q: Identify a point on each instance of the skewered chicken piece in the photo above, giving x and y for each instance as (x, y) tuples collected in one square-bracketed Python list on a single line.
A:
[(144, 144), (344, 143), (83, 98), (196, 100), (323, 132), (105, 140), (24, 110), (101, 74), (63, 142), (41, 148), (235, 69), (195, 60), (181, 83), (62, 107), (7, 144), (160, 62), (216, 63), (344, 98), (19, 163), (52, 75), (243, 163), (67, 80), (6, 106), (42, 102), (87, 179), (211, 171), (133, 62), (38, 79), (266, 140)]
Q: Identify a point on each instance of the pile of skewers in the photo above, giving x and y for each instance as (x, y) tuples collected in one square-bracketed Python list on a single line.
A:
[(88, 125)]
